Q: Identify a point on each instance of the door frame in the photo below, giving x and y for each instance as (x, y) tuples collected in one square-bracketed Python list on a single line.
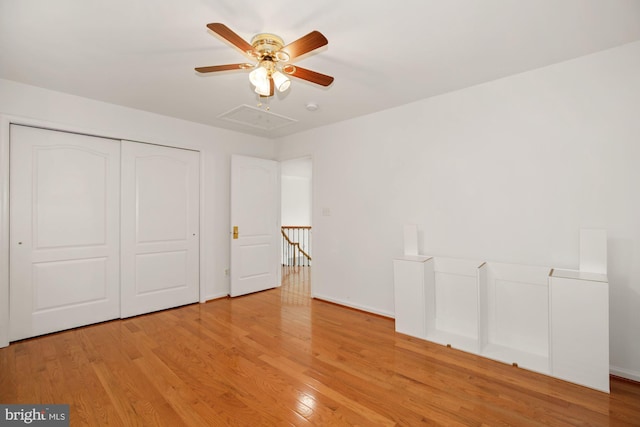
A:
[(313, 204), (6, 120)]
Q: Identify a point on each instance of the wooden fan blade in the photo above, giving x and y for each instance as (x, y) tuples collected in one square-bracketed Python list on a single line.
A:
[(226, 33), (305, 44), (227, 67), (311, 76)]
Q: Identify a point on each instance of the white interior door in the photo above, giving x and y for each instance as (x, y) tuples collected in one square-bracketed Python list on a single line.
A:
[(255, 211), (64, 228), (160, 227)]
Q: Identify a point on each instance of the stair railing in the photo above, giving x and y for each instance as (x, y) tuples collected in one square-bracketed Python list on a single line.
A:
[(296, 244)]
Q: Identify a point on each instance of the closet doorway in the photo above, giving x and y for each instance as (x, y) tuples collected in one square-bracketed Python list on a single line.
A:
[(99, 229)]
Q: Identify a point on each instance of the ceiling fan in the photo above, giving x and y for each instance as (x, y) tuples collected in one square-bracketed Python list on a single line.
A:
[(273, 56)]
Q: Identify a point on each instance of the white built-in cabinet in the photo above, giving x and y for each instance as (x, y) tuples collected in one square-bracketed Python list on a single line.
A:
[(551, 321), (579, 344)]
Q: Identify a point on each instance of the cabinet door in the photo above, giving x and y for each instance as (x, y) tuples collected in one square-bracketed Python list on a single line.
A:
[(64, 227), (160, 227), (580, 331)]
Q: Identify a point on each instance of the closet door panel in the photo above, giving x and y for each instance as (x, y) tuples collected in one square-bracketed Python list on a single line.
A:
[(64, 227), (160, 227)]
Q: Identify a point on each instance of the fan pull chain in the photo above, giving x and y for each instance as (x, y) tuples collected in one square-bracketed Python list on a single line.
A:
[(260, 104)]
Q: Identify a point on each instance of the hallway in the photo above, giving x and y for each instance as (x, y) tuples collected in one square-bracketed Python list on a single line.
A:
[(296, 285)]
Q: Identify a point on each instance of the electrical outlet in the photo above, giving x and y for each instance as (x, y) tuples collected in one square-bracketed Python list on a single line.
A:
[(226, 271)]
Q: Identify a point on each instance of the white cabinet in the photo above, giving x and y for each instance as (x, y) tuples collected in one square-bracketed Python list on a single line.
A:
[(580, 327), (454, 298), (555, 322), (410, 272), (514, 315), (438, 299)]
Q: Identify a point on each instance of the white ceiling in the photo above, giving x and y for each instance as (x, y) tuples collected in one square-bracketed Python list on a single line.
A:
[(141, 53)]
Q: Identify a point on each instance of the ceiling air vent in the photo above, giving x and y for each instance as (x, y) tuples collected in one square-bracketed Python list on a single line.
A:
[(255, 117)]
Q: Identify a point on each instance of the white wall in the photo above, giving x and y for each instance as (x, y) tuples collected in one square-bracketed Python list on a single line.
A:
[(296, 200), (505, 171), (216, 145), (296, 191)]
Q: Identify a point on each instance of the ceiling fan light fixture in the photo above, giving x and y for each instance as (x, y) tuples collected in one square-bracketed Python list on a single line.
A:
[(259, 76), (264, 88), (271, 73), (281, 81)]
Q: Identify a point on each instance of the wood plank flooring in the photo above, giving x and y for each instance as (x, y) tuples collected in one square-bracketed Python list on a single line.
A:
[(279, 358)]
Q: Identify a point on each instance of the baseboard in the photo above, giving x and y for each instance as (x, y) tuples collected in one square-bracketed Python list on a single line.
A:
[(354, 306), (624, 373)]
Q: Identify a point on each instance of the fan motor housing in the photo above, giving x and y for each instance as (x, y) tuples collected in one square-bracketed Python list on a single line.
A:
[(269, 45)]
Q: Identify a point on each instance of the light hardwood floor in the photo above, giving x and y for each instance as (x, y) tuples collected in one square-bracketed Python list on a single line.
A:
[(279, 358)]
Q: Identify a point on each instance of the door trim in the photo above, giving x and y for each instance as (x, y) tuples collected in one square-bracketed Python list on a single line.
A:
[(6, 120)]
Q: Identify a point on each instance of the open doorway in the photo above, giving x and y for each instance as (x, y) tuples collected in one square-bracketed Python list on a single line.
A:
[(297, 248)]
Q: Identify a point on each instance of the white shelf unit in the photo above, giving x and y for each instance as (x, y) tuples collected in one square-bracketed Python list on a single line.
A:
[(410, 273), (580, 327), (497, 310), (555, 322), (453, 296), (438, 299), (514, 315)]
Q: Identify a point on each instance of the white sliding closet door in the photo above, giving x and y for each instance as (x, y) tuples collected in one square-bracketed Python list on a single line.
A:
[(160, 227), (64, 227)]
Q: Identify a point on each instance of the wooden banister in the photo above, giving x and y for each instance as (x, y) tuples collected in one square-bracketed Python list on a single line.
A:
[(296, 249)]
